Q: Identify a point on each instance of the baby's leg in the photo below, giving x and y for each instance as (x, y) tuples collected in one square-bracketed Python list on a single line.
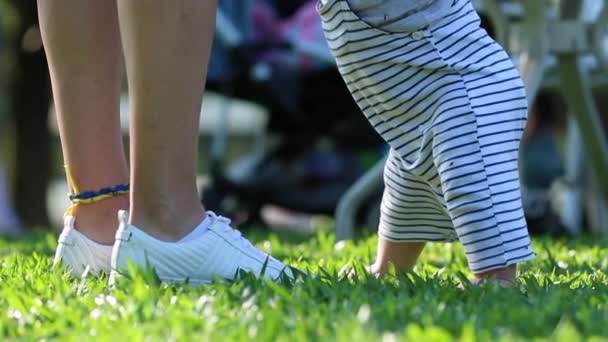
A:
[(482, 190), (411, 214), (399, 81), (475, 154), (403, 255)]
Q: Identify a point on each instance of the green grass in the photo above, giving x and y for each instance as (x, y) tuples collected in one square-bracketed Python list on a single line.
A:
[(563, 297)]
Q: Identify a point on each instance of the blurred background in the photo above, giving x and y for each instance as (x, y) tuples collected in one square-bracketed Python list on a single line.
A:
[(284, 146)]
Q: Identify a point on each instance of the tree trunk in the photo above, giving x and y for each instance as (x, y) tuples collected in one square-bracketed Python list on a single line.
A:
[(29, 99)]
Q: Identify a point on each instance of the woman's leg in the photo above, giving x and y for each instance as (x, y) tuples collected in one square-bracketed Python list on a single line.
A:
[(82, 44), (166, 45)]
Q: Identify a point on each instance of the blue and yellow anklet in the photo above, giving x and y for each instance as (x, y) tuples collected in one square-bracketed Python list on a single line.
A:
[(85, 197)]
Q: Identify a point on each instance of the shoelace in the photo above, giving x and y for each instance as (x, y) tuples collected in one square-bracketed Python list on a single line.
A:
[(234, 233), (237, 236)]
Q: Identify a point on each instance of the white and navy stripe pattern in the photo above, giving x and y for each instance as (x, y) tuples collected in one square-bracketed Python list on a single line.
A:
[(452, 107)]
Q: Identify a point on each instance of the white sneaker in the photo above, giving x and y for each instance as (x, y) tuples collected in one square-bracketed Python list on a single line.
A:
[(221, 252), (77, 252)]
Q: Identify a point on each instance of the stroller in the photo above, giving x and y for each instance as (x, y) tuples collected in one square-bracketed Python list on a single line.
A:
[(274, 54)]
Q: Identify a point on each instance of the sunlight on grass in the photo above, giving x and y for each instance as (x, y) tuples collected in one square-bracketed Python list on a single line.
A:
[(563, 296)]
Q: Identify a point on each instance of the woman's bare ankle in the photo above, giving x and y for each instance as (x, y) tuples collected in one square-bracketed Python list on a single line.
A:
[(98, 220), (167, 222)]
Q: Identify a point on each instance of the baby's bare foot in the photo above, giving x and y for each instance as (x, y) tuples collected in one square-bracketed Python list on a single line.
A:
[(504, 277), (376, 269), (506, 283), (350, 271)]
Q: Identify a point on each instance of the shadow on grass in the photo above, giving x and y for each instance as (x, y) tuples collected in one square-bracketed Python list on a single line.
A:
[(38, 240)]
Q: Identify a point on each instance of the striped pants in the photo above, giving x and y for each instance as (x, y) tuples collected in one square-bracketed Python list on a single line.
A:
[(452, 107)]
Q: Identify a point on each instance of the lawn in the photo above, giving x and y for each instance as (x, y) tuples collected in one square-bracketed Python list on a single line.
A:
[(563, 296)]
